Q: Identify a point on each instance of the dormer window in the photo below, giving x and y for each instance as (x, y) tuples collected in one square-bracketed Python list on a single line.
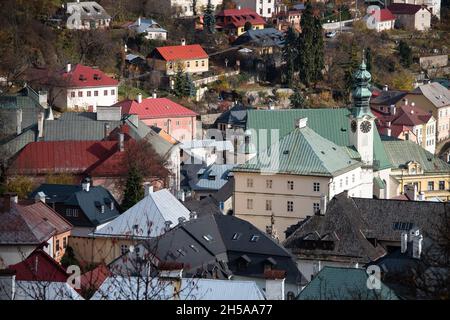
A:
[(254, 238)]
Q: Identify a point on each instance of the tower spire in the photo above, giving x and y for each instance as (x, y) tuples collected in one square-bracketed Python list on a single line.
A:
[(361, 93)]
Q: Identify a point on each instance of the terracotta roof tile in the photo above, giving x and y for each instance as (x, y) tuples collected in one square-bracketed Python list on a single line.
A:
[(186, 52)]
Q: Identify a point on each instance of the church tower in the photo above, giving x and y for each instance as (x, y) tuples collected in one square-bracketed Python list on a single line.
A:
[(362, 124)]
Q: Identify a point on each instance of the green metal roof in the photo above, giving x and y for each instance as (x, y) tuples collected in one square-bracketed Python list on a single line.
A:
[(303, 152), (400, 152), (331, 124), (380, 183), (334, 283)]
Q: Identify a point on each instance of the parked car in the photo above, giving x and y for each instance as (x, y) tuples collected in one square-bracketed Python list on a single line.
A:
[(331, 34)]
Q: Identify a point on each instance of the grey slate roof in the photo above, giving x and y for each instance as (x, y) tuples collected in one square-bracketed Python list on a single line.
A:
[(221, 250), (88, 202), (235, 116), (268, 37), (349, 222), (388, 97), (333, 283), (212, 178), (89, 10), (438, 95), (147, 25)]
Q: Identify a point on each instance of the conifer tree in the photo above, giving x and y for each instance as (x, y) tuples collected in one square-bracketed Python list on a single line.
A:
[(290, 55), (297, 100), (134, 190), (179, 84), (209, 20)]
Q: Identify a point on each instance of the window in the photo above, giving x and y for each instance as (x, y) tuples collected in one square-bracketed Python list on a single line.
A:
[(95, 93), (290, 185), (123, 248), (269, 184), (254, 238), (353, 178), (346, 181), (208, 237), (65, 242), (203, 63), (188, 64), (290, 206), (236, 236), (181, 252), (249, 203), (441, 185), (113, 92), (178, 123), (72, 212), (72, 94), (268, 205), (340, 183), (105, 92), (88, 93), (196, 63), (57, 245), (80, 94), (316, 186), (430, 185), (249, 183), (316, 207), (194, 248)]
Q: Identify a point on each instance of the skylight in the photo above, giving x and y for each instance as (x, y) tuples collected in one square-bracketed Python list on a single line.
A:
[(236, 236), (254, 238), (194, 248), (182, 252), (208, 237)]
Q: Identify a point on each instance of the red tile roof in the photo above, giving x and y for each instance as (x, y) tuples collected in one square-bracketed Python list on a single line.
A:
[(84, 76), (238, 17), (186, 52), (155, 108), (92, 280), (75, 157), (383, 15), (404, 8)]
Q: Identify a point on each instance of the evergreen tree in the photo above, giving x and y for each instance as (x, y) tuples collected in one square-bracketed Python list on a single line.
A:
[(405, 53), (194, 7), (369, 60), (350, 67), (248, 26), (290, 55), (68, 259), (134, 191), (310, 47), (209, 20), (179, 84), (297, 100), (189, 87)]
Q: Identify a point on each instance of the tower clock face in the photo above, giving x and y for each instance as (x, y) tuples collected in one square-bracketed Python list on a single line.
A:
[(365, 126), (354, 126)]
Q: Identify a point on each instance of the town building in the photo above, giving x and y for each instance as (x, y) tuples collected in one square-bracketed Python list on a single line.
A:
[(218, 247), (184, 8), (265, 8), (184, 58), (262, 41), (207, 151), (411, 16), (232, 21), (435, 98), (434, 6), (86, 15), (209, 180), (408, 122), (380, 20), (178, 121), (26, 227), (306, 156), (151, 29), (152, 216), (354, 232), (84, 206), (285, 19), (413, 165)]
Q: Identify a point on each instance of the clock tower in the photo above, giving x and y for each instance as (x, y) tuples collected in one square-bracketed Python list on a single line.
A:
[(361, 119)]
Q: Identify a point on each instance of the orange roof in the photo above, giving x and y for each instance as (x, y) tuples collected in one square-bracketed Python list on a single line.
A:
[(186, 52)]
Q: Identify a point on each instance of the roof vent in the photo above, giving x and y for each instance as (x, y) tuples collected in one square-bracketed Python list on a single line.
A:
[(286, 152), (301, 123)]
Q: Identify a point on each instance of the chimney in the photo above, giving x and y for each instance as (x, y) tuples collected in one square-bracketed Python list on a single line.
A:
[(148, 188), (323, 203), (167, 225), (238, 7), (121, 142), (301, 123), (7, 284), (107, 130), (40, 124), (86, 185), (182, 196), (181, 219), (19, 121), (139, 21), (404, 242), (68, 67), (192, 215), (139, 98), (40, 196), (14, 198), (417, 246), (421, 196), (7, 199), (412, 105), (154, 95), (125, 48), (43, 98), (393, 109), (183, 42), (385, 87), (275, 280), (405, 101), (388, 132)]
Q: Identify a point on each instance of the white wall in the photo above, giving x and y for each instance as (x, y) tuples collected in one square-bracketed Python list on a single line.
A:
[(84, 102), (310, 268), (14, 254), (264, 8), (186, 6)]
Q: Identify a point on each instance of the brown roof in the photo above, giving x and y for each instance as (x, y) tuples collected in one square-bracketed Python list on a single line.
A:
[(41, 211), (404, 8)]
